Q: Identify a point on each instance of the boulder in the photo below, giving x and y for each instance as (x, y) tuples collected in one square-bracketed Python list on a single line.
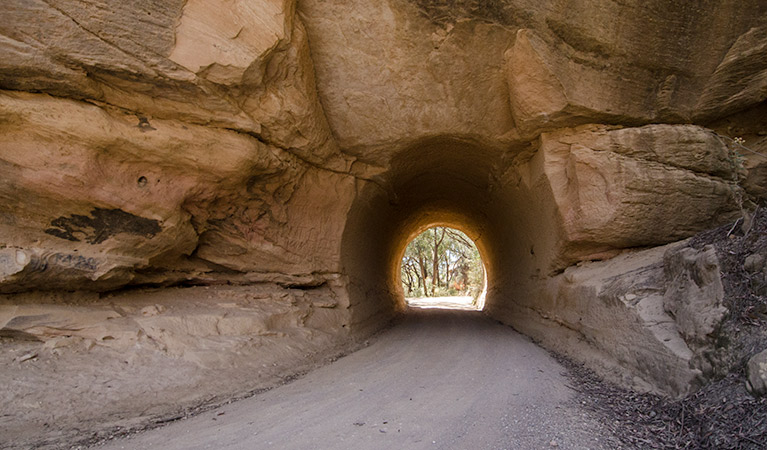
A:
[(694, 294), (620, 188), (754, 263), (757, 373), (646, 318)]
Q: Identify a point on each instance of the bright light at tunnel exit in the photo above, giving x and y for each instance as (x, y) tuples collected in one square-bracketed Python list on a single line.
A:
[(442, 268)]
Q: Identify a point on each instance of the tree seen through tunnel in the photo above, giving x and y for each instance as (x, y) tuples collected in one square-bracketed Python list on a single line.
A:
[(442, 262)]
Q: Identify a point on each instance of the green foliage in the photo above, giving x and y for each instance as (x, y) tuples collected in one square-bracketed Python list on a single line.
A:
[(442, 262), (736, 159)]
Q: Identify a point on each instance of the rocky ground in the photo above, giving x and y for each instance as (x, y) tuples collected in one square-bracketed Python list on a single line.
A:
[(723, 414)]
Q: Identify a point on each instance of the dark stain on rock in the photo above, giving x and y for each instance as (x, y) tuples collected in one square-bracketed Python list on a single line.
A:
[(74, 261), (144, 125), (18, 335), (103, 224)]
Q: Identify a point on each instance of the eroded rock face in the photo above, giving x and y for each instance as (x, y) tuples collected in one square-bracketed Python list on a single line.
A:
[(291, 145), (242, 65), (566, 63), (135, 357), (388, 77), (740, 79), (195, 325), (122, 192)]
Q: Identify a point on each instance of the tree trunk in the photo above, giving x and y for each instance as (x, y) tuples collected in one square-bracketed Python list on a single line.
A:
[(435, 261), (422, 265), (409, 281)]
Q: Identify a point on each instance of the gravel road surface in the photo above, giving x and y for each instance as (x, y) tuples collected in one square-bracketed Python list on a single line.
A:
[(436, 380)]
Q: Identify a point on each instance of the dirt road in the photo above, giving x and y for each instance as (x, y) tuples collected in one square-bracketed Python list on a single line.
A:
[(437, 380)]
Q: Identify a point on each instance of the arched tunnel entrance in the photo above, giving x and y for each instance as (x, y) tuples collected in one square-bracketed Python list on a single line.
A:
[(446, 181), (442, 268)]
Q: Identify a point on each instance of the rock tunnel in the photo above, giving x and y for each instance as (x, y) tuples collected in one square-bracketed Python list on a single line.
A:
[(171, 187), (439, 181)]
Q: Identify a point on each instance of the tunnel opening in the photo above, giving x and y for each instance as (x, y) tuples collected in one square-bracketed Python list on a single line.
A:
[(465, 184), (442, 268)]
